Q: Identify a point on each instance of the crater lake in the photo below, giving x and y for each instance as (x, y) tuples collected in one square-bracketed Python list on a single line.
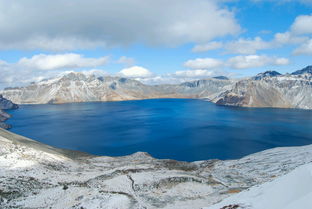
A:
[(180, 129)]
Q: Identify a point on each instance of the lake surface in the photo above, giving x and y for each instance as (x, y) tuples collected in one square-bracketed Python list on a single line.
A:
[(181, 129)]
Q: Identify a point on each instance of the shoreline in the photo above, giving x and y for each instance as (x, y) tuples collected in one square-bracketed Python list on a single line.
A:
[(171, 98), (17, 138)]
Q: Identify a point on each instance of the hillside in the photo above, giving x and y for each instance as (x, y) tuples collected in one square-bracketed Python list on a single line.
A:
[(292, 191), (34, 175)]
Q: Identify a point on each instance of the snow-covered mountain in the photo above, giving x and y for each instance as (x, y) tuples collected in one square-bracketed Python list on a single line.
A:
[(265, 74), (34, 175), (305, 70), (268, 89), (284, 91), (78, 87)]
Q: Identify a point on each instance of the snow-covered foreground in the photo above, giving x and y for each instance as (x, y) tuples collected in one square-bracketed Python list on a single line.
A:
[(34, 175), (292, 191)]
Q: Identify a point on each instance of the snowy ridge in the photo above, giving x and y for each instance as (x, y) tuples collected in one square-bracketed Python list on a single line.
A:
[(292, 191), (34, 175)]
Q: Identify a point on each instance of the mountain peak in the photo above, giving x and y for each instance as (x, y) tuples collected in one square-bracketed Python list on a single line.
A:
[(269, 73), (307, 69), (74, 76)]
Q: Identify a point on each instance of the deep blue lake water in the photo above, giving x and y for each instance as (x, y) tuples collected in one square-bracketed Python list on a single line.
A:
[(181, 129)]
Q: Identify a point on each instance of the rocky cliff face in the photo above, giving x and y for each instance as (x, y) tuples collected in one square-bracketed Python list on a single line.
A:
[(282, 91), (3, 117), (34, 175), (5, 105)]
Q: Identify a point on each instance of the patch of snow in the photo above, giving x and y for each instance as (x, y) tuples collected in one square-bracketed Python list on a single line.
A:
[(292, 191)]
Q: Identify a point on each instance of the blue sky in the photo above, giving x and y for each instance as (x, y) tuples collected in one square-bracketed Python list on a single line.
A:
[(152, 41)]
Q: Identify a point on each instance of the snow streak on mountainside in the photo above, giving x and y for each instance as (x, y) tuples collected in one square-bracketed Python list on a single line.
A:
[(268, 89), (34, 175)]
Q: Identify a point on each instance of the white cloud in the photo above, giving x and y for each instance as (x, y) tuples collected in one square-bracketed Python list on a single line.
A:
[(203, 63), (284, 1), (207, 47), (128, 61), (251, 46), (135, 72), (3, 63), (298, 33), (43, 66), (67, 25), (240, 46), (59, 43), (181, 76), (254, 61), (194, 73), (281, 39), (302, 25), (280, 61), (247, 46), (59, 61), (304, 49), (295, 35)]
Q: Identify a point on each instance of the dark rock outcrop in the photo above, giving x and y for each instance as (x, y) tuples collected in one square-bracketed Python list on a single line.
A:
[(5, 104), (230, 99), (3, 117), (5, 126)]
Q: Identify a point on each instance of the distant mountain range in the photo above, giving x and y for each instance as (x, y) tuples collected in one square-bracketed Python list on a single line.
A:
[(268, 89), (78, 87)]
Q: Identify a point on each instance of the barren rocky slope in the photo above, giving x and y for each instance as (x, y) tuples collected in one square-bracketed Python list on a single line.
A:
[(271, 90), (34, 175), (291, 191), (289, 91)]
